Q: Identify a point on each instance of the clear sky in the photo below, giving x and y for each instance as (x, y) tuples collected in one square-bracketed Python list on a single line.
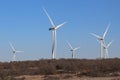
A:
[(25, 25)]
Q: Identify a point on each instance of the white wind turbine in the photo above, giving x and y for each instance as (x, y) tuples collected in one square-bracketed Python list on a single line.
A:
[(72, 49), (53, 29), (100, 39), (14, 51), (106, 46)]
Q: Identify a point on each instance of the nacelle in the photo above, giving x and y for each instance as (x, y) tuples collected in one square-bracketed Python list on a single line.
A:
[(51, 28)]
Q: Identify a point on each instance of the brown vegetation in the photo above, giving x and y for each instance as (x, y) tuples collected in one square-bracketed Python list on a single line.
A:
[(79, 67)]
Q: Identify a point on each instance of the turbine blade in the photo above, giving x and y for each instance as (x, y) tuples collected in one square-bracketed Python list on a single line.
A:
[(98, 40), (97, 36), (60, 25), (76, 48), (12, 46), (69, 45), (53, 25), (106, 31), (19, 51), (109, 44)]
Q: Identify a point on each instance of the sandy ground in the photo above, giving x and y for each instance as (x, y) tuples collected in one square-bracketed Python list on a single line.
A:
[(58, 77), (34, 77), (95, 78)]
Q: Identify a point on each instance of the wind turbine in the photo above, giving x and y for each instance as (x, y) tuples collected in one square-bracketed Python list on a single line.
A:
[(106, 48), (100, 39), (72, 49), (53, 29), (14, 51)]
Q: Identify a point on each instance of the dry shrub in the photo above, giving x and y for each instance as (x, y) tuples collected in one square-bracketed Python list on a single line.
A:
[(67, 76), (52, 78), (85, 67)]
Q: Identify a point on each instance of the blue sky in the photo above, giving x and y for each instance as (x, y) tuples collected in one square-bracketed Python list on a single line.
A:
[(25, 25)]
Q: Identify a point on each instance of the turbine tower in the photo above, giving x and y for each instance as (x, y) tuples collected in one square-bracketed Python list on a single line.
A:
[(106, 48), (14, 51), (100, 39), (53, 28), (72, 50)]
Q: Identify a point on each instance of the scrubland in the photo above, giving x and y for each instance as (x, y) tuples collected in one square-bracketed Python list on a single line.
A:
[(61, 69)]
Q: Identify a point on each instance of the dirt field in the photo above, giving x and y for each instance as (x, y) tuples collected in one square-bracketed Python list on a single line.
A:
[(96, 78), (65, 77)]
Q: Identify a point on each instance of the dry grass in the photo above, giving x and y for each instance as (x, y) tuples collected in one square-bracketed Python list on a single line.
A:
[(62, 69), (65, 77), (29, 77)]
